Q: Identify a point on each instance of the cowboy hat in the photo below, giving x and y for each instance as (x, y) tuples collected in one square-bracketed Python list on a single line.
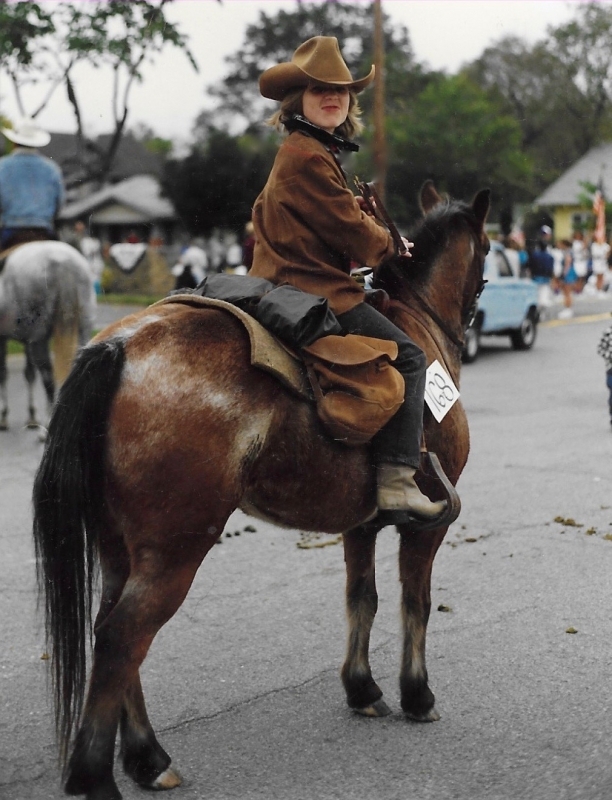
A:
[(318, 59), (27, 133)]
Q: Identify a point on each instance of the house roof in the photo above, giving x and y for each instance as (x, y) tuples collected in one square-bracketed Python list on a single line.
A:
[(140, 196), (132, 157), (593, 167)]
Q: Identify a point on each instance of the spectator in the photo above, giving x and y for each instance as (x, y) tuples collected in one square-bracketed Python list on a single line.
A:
[(604, 349), (580, 260), (567, 279), (31, 187), (185, 279), (92, 250), (194, 256), (541, 267), (599, 258)]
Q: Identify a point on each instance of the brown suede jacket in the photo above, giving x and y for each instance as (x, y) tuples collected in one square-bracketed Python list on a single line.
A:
[(309, 226)]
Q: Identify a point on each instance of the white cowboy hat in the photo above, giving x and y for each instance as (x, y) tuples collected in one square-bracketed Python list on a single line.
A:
[(318, 59), (27, 133)]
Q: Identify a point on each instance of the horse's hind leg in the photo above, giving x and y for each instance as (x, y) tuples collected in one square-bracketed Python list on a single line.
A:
[(143, 758), (417, 551), (3, 380), (39, 358), (155, 589), (362, 692)]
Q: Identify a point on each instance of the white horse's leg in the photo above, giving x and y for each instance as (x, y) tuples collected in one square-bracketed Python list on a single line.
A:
[(40, 358), (3, 391), (30, 377)]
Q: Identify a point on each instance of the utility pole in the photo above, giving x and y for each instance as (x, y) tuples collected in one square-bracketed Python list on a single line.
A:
[(380, 140)]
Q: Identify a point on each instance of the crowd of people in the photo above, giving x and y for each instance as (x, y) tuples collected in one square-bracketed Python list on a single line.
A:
[(564, 268)]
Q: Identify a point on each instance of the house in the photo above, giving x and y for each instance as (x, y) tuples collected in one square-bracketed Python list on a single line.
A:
[(563, 197), (131, 209), (76, 161)]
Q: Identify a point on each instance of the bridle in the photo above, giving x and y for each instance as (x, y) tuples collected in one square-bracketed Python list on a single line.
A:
[(458, 341)]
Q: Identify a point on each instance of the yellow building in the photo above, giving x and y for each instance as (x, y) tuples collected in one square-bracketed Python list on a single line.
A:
[(563, 197)]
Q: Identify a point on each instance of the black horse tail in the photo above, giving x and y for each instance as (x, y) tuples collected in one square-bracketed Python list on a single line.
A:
[(68, 508)]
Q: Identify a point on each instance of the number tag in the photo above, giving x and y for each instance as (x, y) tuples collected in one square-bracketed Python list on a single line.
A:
[(440, 392)]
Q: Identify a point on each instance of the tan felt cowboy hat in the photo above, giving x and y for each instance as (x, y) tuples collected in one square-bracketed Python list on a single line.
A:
[(27, 133), (318, 59)]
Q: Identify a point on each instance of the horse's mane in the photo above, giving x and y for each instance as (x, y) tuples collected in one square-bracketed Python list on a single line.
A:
[(430, 236)]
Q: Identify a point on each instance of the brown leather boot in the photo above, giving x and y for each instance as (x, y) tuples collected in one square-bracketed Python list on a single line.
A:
[(397, 492)]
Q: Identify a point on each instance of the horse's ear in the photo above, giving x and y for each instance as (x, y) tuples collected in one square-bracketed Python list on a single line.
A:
[(481, 205), (428, 196)]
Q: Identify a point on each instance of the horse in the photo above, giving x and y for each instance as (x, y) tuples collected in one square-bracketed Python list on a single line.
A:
[(46, 291), (162, 429)]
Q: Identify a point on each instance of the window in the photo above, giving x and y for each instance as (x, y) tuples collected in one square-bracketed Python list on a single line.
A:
[(504, 269)]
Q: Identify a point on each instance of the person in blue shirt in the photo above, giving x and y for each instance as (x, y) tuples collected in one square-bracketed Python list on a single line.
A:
[(31, 187)]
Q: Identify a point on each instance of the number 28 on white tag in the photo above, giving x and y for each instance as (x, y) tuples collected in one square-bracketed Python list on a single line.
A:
[(440, 392)]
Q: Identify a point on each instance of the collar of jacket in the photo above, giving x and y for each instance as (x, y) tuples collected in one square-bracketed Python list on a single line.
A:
[(331, 140)]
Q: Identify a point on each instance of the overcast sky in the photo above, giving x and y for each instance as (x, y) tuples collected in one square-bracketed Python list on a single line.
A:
[(444, 33)]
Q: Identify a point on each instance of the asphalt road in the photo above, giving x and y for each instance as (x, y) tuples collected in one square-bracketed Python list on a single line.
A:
[(243, 686)]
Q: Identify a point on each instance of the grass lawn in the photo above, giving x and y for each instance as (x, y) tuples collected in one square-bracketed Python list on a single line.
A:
[(129, 299)]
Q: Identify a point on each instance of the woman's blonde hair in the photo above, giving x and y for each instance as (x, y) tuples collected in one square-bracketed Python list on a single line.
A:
[(292, 104)]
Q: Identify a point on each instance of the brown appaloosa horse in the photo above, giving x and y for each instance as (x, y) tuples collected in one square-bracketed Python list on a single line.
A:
[(162, 429)]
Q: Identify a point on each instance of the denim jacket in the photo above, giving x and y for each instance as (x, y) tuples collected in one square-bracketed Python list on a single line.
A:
[(31, 190)]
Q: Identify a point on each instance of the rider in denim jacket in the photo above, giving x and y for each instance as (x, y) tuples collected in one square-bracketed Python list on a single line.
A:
[(31, 187)]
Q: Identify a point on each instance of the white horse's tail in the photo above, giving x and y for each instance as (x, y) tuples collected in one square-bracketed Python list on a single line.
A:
[(66, 329)]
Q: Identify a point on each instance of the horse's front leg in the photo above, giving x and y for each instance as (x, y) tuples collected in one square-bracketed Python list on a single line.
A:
[(417, 551), (362, 692)]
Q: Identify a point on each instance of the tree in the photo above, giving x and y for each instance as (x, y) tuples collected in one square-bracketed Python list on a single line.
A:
[(273, 40), (584, 48), (118, 35), (530, 84), (218, 182), (456, 135), (24, 28)]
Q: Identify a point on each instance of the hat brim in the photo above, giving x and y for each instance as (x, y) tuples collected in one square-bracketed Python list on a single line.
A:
[(280, 79), (38, 140)]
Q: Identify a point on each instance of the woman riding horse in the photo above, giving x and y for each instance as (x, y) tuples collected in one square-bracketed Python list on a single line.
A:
[(308, 228)]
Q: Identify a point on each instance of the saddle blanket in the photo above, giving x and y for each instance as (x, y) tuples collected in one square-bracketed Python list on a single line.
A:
[(267, 352)]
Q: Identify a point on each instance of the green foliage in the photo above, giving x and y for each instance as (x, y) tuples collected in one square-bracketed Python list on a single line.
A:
[(22, 26), (274, 38), (117, 36), (119, 33), (154, 144), (456, 135), (584, 48), (217, 184), (530, 84)]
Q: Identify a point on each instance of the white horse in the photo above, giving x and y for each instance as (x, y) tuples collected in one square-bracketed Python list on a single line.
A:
[(46, 290)]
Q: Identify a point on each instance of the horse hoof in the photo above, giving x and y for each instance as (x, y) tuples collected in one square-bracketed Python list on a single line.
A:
[(376, 709), (169, 779), (430, 716)]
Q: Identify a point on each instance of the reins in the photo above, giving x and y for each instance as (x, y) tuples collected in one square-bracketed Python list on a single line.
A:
[(444, 327), (378, 210)]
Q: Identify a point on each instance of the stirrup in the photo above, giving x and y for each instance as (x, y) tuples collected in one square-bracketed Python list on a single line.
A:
[(448, 516)]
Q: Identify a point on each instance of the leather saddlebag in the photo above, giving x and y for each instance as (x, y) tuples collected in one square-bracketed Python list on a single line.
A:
[(356, 388)]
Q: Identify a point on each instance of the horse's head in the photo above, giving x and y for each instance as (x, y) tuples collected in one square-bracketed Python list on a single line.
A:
[(446, 268)]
